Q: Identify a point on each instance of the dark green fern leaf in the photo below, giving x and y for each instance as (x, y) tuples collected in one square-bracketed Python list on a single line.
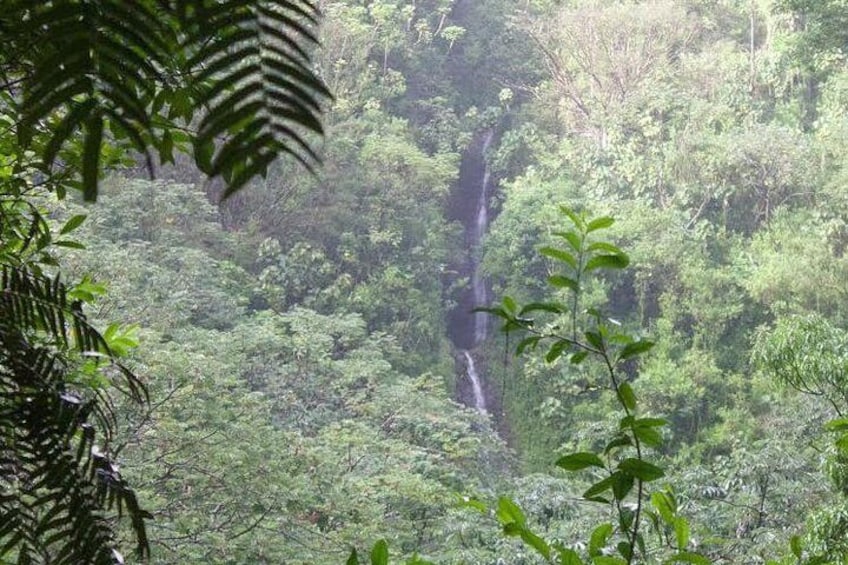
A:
[(57, 487)]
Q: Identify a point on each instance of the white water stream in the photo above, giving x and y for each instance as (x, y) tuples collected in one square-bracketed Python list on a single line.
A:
[(476, 385), (478, 284)]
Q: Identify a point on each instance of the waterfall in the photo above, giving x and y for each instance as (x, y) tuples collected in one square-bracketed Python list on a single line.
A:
[(478, 285), (470, 329), (477, 387)]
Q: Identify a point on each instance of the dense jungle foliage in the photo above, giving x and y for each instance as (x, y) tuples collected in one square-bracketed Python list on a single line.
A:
[(307, 390)]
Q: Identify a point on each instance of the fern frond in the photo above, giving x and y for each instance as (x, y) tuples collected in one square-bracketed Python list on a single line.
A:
[(252, 63), (56, 485), (109, 66), (92, 60)]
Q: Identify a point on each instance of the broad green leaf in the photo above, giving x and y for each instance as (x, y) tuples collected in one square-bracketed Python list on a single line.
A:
[(578, 357), (72, 224), (575, 219), (599, 538), (69, 244), (641, 469), (664, 506), (608, 560), (561, 281), (621, 440), (650, 422), (628, 398), (353, 559), (795, 546), (647, 435), (622, 485), (599, 488), (559, 255), (471, 502), (509, 305), (635, 348), (531, 342), (688, 557), (380, 553), (599, 223), (838, 425), (553, 307), (536, 543), (617, 261), (579, 461), (568, 556), (555, 352), (508, 512), (681, 532), (624, 549), (595, 340), (604, 246), (572, 238)]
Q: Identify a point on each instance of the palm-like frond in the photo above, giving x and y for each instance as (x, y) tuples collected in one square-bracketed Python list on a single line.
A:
[(56, 485), (256, 82), (111, 69)]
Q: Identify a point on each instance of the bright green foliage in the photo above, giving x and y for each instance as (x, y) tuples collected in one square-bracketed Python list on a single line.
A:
[(622, 471)]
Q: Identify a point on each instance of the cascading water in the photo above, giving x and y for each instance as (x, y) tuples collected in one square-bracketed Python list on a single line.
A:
[(478, 285), (477, 387), (470, 329)]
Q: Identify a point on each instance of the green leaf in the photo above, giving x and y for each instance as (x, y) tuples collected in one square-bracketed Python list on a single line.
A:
[(595, 340), (599, 538), (621, 440), (561, 281), (649, 436), (795, 546), (553, 307), (579, 461), (622, 485), (578, 357), (91, 157), (641, 469), (509, 305), (555, 352), (508, 512), (69, 244), (166, 148), (72, 224), (608, 560), (471, 502), (838, 425), (575, 219), (688, 557), (618, 261), (624, 549), (536, 543), (530, 341), (599, 223), (635, 348), (650, 422), (681, 532), (604, 246), (559, 255), (380, 553), (568, 556), (572, 238), (353, 559), (628, 398), (599, 488), (664, 506)]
